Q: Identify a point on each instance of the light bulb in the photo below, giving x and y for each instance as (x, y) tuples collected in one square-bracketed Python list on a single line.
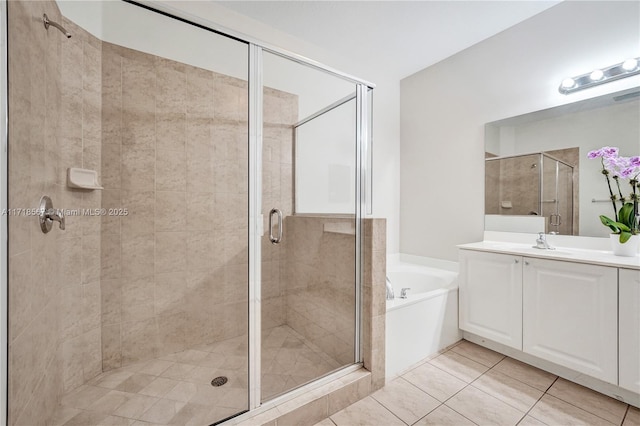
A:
[(568, 83), (630, 64), (596, 75)]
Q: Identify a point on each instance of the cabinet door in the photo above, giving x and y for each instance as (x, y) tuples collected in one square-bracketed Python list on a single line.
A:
[(629, 324), (491, 296), (570, 316)]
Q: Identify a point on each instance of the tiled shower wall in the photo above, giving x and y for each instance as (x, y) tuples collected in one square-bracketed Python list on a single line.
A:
[(54, 287), (320, 292), (174, 142), (174, 269)]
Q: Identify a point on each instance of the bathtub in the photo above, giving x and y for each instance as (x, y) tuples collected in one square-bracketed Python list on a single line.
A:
[(427, 320)]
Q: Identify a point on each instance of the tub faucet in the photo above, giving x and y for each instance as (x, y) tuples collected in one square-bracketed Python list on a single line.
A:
[(541, 242), (405, 293), (390, 295)]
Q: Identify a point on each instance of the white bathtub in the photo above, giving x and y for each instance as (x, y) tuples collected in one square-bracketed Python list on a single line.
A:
[(425, 322)]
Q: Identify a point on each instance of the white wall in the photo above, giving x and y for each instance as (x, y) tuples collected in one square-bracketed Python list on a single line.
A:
[(444, 109), (114, 26)]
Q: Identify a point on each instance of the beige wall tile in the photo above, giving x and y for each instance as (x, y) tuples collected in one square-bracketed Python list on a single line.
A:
[(171, 251), (171, 170), (137, 167), (111, 348), (137, 255), (171, 211), (171, 131)]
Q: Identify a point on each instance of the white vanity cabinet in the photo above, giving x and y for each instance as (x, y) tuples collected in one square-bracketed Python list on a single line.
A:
[(570, 316), (629, 331), (491, 296)]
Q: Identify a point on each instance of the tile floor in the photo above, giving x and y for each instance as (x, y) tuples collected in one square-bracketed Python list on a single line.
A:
[(176, 390), (469, 385)]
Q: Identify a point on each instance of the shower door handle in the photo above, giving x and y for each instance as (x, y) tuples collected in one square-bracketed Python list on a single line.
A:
[(277, 212)]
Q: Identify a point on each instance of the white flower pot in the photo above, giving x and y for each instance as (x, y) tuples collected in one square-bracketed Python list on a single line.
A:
[(629, 249)]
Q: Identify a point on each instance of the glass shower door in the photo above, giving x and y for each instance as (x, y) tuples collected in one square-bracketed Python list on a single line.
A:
[(308, 289)]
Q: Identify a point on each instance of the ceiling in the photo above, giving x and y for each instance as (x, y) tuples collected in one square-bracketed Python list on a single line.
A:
[(404, 36)]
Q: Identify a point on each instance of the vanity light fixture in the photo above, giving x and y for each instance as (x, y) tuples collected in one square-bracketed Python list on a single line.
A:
[(596, 77)]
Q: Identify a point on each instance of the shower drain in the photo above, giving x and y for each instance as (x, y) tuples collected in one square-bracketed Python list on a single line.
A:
[(219, 381)]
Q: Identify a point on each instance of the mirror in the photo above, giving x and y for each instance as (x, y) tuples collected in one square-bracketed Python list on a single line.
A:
[(537, 174)]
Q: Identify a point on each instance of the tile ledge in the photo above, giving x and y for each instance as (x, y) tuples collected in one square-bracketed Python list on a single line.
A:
[(273, 414)]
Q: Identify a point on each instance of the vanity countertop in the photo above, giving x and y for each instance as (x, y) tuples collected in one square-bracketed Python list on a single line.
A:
[(567, 254)]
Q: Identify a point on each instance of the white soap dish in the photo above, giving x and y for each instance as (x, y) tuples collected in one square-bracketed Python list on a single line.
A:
[(82, 178)]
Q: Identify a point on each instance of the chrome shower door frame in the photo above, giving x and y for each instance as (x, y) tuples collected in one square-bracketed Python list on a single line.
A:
[(4, 202), (362, 195)]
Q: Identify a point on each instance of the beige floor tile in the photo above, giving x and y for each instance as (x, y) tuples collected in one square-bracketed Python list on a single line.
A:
[(115, 421), (84, 396), (203, 375), (86, 418), (553, 411), (594, 402), (436, 382), (159, 387), (178, 371), (366, 412), (477, 353), (192, 415), (459, 366), (221, 413), (111, 380), (110, 402), (483, 409), (530, 421), (405, 400), (508, 389), (632, 418), (162, 411), (325, 422), (135, 406), (63, 415), (155, 367), (192, 356), (444, 416), (183, 391), (532, 376), (135, 383)]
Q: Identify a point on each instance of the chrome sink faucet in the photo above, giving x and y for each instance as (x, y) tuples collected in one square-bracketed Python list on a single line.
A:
[(390, 295), (541, 242)]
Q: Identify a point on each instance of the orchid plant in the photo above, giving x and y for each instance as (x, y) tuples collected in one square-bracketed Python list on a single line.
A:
[(614, 167)]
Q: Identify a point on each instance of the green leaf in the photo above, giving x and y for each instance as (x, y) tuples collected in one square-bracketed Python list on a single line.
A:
[(624, 237), (616, 227), (625, 215), (609, 223)]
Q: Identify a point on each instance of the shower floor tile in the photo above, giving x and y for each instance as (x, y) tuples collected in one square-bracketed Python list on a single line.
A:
[(289, 360), (175, 389)]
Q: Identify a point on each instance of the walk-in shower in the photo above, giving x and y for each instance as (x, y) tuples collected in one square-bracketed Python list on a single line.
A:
[(215, 264)]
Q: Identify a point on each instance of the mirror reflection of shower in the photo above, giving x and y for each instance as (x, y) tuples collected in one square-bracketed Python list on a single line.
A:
[(537, 189)]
